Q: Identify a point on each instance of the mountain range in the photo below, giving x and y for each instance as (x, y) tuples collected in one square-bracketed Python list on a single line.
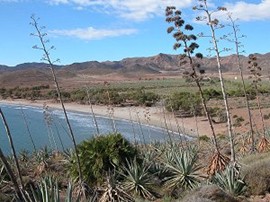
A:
[(161, 64)]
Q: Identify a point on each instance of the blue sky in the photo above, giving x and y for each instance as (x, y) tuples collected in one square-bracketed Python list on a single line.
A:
[(85, 30)]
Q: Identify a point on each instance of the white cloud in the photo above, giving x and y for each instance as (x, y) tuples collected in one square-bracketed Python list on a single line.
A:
[(131, 9), (250, 11), (91, 33), (57, 2)]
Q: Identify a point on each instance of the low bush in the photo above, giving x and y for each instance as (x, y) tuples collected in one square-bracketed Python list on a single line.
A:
[(210, 93), (238, 121), (100, 155), (204, 138), (256, 173), (141, 97), (185, 102)]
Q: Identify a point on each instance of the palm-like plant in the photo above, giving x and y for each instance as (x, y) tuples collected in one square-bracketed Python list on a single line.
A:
[(137, 180), (100, 155), (183, 169), (229, 180)]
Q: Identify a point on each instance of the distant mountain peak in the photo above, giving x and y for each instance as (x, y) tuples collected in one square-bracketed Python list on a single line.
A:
[(136, 65)]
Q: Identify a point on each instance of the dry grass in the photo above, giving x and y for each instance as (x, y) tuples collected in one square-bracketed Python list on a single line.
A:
[(255, 170)]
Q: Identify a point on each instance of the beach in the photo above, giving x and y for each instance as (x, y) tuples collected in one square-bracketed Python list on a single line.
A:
[(154, 116)]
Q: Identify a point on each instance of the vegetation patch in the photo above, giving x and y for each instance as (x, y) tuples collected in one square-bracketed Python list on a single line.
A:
[(100, 155)]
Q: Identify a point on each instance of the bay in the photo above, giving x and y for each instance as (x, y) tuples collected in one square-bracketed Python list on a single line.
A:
[(48, 128)]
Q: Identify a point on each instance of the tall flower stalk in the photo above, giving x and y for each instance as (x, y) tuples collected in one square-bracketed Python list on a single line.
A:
[(28, 130), (92, 111), (46, 57), (12, 146), (214, 24), (187, 41), (10, 173), (237, 43), (255, 70)]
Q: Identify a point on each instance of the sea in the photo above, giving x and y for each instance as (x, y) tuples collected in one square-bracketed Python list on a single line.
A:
[(35, 127)]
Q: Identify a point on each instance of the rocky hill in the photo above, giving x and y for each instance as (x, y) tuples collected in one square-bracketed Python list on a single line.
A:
[(159, 64)]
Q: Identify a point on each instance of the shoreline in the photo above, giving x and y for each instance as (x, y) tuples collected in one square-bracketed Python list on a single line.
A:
[(149, 116), (135, 114)]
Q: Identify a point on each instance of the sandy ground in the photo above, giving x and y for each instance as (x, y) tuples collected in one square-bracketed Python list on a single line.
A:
[(155, 116)]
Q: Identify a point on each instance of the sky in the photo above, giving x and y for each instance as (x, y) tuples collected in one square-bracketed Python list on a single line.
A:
[(101, 30)]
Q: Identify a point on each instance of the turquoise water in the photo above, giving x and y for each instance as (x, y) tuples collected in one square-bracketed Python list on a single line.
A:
[(24, 121)]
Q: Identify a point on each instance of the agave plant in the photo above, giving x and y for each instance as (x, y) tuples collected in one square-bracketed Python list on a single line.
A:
[(152, 157), (137, 180), (113, 191), (48, 191), (2, 168), (43, 155), (183, 170), (229, 181)]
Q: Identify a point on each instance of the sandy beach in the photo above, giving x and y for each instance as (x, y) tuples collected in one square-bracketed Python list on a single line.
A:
[(155, 116)]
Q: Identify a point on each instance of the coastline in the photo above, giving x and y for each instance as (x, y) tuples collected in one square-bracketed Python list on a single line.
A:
[(151, 116)]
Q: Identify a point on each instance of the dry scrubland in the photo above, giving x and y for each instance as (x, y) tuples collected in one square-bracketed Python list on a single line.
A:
[(227, 161), (47, 162)]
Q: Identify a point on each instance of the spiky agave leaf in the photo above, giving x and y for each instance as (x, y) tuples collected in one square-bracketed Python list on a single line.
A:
[(230, 181), (2, 168), (137, 180), (183, 169), (47, 190), (113, 191)]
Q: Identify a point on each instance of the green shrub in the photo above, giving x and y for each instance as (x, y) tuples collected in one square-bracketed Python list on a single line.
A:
[(114, 96), (214, 111), (210, 93), (219, 113), (184, 101), (141, 97), (78, 96), (52, 94), (238, 121), (204, 138), (100, 155)]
